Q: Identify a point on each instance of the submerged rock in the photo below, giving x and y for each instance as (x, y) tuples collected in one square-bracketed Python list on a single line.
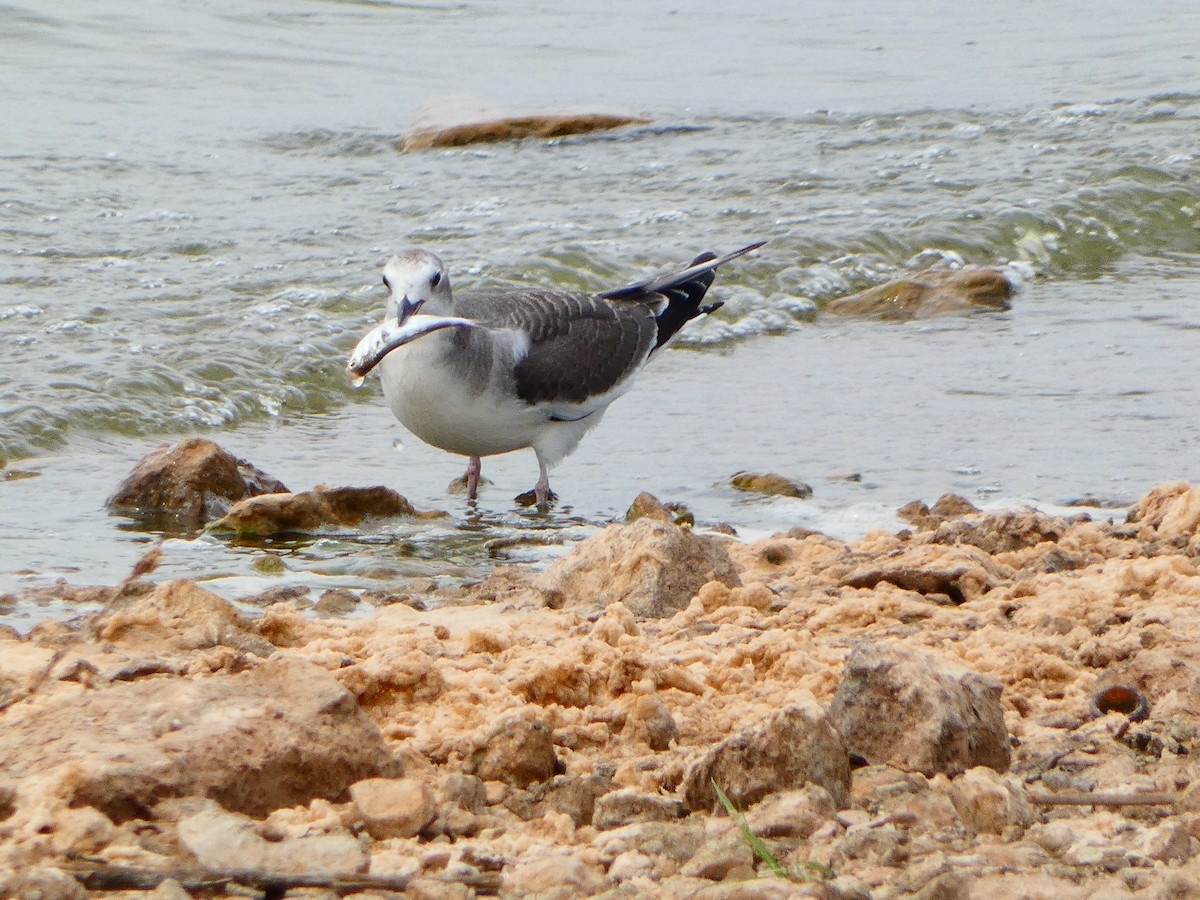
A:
[(653, 567), (322, 506), (456, 120), (911, 711), (770, 485), (930, 293), (195, 480)]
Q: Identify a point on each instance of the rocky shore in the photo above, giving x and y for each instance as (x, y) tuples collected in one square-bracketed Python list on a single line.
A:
[(980, 706)]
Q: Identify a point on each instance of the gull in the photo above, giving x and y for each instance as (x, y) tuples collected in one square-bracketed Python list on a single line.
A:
[(490, 371)]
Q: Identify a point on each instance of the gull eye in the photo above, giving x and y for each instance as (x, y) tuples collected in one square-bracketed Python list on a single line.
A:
[(387, 284), (435, 280)]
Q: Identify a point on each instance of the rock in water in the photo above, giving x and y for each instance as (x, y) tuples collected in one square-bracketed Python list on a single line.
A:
[(909, 710), (460, 119), (653, 567), (322, 506), (930, 293), (194, 480)]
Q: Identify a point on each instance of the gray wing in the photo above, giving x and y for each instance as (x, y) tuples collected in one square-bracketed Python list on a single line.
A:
[(580, 345)]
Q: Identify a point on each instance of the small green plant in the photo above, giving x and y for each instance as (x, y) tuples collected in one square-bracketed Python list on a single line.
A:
[(762, 851)]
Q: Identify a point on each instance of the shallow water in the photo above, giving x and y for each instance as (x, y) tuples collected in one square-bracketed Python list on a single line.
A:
[(196, 202)]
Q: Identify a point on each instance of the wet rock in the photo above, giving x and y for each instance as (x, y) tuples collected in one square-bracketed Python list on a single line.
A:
[(654, 568), (279, 734), (948, 506), (646, 505), (394, 807), (781, 752), (224, 841), (914, 712), (309, 510), (181, 616), (456, 120), (195, 480), (956, 573), (629, 805), (519, 751), (933, 292), (989, 803), (770, 485)]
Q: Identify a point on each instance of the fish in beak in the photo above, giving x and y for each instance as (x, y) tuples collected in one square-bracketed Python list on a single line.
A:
[(386, 337)]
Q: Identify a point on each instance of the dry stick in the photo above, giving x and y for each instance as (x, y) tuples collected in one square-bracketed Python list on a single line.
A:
[(104, 877), (1103, 798)]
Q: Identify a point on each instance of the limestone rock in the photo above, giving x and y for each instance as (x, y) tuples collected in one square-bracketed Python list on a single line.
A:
[(652, 722), (770, 485), (1004, 531), (729, 855), (1170, 510), (653, 567), (911, 711), (180, 615), (456, 120), (394, 807), (519, 751), (930, 293), (195, 480), (224, 841), (781, 752), (309, 510), (988, 802), (792, 813), (279, 734), (959, 573), (629, 805)]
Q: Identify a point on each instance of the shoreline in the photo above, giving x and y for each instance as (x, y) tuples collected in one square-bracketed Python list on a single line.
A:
[(535, 736)]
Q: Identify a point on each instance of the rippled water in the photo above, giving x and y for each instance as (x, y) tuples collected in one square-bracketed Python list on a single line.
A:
[(196, 201)]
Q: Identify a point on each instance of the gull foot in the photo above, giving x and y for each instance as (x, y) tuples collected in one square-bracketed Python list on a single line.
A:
[(529, 498), (459, 485)]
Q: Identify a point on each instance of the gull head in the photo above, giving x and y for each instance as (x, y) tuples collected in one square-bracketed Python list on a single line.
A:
[(416, 279)]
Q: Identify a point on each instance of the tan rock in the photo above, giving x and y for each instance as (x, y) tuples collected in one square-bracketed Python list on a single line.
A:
[(560, 874), (225, 841), (182, 616), (726, 856), (652, 567), (956, 573), (652, 722), (519, 751), (988, 802), (792, 813), (394, 807), (456, 120), (629, 805), (195, 479), (930, 293), (914, 712), (780, 752), (1170, 510), (277, 735)]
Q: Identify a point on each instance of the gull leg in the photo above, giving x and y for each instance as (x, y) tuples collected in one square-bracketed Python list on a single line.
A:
[(474, 467), (541, 495)]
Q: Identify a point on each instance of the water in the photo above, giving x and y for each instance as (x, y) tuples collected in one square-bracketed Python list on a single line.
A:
[(196, 200)]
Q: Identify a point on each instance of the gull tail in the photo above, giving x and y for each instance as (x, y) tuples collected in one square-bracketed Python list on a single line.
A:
[(683, 291)]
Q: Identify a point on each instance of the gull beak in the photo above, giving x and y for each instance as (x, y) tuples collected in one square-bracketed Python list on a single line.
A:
[(406, 308), (383, 339)]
